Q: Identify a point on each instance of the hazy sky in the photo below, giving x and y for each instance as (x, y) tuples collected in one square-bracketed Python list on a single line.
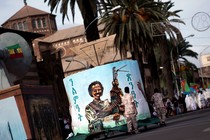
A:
[(10, 7), (195, 13), (190, 8)]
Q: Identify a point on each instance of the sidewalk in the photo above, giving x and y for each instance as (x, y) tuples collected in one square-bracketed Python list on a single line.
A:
[(182, 116)]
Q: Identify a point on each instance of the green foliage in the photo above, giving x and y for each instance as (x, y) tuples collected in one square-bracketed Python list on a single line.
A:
[(85, 6), (131, 22)]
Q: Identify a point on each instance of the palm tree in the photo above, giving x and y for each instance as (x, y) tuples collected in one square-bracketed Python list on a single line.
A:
[(185, 68), (88, 10), (166, 28), (183, 51), (132, 21), (132, 26), (179, 52)]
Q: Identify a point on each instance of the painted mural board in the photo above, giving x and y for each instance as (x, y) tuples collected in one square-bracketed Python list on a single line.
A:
[(11, 126), (128, 74)]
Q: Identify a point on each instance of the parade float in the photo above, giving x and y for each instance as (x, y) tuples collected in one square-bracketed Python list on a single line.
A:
[(128, 74)]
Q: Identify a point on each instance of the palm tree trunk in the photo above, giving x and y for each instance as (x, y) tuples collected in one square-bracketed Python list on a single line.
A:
[(90, 21), (153, 68), (92, 32), (167, 73)]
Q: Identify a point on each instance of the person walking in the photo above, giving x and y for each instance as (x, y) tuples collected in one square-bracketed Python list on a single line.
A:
[(157, 99), (202, 99), (176, 109), (130, 111), (168, 106)]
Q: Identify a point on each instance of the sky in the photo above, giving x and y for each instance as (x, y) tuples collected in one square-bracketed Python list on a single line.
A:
[(195, 14), (10, 7)]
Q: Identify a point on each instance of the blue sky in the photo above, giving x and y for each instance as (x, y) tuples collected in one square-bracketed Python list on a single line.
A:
[(190, 7)]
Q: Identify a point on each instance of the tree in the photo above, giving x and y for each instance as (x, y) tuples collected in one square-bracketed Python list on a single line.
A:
[(179, 51), (132, 26), (88, 10), (167, 29), (131, 23), (185, 68), (183, 51)]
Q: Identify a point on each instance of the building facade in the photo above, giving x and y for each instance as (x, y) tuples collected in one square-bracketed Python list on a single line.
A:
[(32, 20)]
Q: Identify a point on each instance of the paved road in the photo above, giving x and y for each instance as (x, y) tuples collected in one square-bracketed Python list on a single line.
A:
[(189, 126)]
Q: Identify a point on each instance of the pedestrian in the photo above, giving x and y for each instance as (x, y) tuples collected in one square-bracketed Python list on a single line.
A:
[(182, 103), (157, 99), (67, 127), (176, 108), (168, 106), (130, 111), (202, 99)]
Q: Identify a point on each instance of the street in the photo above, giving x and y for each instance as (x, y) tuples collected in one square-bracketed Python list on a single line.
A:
[(188, 126)]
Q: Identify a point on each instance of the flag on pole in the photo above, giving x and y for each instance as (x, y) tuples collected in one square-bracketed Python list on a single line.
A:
[(208, 85), (194, 86), (15, 51), (185, 87)]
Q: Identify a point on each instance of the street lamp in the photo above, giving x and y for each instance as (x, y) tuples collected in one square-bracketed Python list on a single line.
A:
[(172, 61)]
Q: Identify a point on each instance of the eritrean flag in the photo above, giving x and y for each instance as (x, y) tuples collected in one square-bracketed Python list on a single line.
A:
[(185, 87), (15, 51), (194, 86)]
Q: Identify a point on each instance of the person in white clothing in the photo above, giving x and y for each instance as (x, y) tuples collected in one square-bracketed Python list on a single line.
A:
[(202, 99), (130, 111)]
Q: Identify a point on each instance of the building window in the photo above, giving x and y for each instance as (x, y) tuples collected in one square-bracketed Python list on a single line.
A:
[(208, 58), (33, 23), (14, 26), (25, 26), (20, 26), (44, 23), (39, 23)]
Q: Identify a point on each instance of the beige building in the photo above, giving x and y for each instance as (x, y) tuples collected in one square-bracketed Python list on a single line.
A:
[(76, 53)]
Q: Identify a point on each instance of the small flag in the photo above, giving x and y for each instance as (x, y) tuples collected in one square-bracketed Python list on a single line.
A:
[(15, 51), (185, 87), (208, 85), (194, 86)]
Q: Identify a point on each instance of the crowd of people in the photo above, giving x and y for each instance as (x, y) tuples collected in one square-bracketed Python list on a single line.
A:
[(184, 103)]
